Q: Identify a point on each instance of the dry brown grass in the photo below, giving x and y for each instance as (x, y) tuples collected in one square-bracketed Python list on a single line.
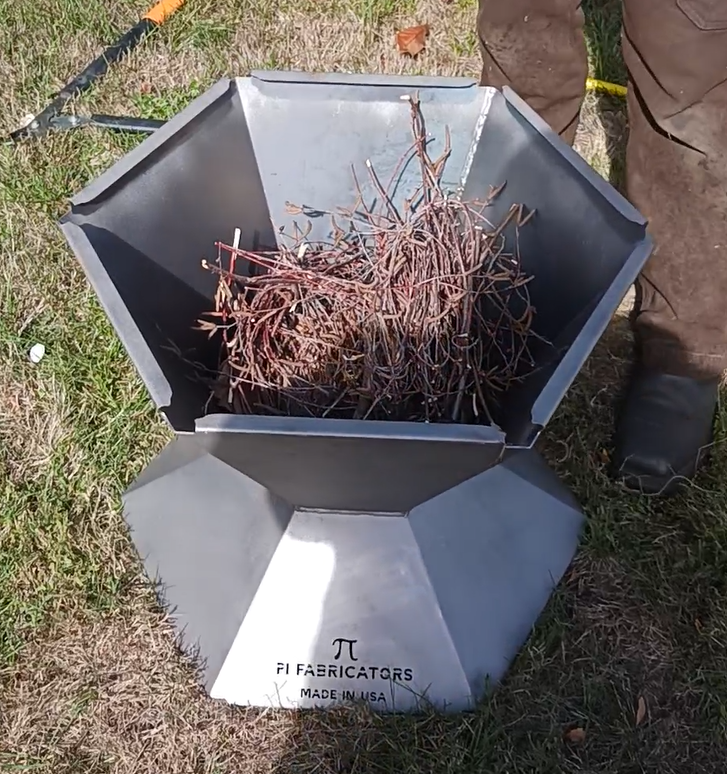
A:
[(112, 694)]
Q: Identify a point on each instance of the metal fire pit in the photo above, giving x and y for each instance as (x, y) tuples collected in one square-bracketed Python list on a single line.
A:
[(313, 562)]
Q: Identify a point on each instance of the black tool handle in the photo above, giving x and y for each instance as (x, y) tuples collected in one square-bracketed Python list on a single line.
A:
[(85, 79)]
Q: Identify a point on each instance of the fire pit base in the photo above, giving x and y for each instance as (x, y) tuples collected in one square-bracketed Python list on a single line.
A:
[(302, 608)]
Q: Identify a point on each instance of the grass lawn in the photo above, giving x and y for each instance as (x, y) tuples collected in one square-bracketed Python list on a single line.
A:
[(90, 680)]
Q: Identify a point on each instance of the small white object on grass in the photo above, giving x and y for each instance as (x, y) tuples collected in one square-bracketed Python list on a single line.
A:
[(37, 353)]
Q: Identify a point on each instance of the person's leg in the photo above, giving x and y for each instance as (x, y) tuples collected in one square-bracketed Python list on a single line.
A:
[(537, 48), (676, 55)]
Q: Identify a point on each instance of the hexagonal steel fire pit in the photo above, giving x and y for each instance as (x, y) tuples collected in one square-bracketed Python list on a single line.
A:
[(319, 561)]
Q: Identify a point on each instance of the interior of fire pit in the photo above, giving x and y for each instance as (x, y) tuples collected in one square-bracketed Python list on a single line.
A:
[(245, 148), (409, 311)]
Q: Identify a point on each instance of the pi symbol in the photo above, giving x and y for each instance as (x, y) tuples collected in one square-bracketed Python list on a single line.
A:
[(339, 642)]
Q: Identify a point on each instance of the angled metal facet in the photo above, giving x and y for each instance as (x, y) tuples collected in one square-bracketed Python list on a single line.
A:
[(205, 534), (493, 548), (349, 465)]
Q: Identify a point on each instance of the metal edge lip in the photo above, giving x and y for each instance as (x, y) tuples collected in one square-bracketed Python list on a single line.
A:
[(349, 428), (153, 377), (559, 383), (614, 198), (361, 79), (488, 94), (127, 162)]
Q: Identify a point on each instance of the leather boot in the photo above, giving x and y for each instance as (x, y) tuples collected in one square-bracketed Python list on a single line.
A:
[(664, 431)]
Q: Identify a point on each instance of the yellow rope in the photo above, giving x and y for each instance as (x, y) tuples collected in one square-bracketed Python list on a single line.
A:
[(610, 88)]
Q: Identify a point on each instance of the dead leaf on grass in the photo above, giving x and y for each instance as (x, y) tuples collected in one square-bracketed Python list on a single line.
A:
[(412, 40), (575, 736), (641, 711)]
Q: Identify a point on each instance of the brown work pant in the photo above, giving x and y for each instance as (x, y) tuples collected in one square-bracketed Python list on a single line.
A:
[(676, 55)]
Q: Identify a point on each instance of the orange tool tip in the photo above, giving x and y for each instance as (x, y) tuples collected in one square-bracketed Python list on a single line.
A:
[(163, 10)]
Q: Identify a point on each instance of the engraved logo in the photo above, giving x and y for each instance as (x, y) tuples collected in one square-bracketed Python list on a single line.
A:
[(339, 642)]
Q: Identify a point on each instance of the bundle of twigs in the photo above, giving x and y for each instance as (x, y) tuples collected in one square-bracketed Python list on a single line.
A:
[(413, 314)]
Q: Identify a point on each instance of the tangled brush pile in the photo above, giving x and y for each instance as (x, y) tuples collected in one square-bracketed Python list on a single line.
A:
[(415, 313)]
